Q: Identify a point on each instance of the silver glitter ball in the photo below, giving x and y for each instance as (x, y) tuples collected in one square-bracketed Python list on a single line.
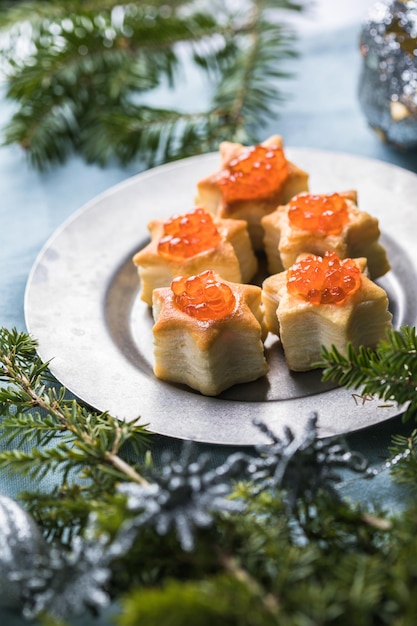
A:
[(388, 81), (21, 543)]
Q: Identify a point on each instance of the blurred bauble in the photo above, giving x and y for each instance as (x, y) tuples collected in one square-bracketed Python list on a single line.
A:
[(388, 81), (21, 545)]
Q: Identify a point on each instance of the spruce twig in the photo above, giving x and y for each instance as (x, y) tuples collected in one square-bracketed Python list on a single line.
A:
[(389, 372), (248, 562), (92, 437), (80, 85)]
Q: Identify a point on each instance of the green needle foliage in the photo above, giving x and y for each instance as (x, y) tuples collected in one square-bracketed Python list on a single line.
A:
[(322, 560), (45, 430), (389, 372), (85, 78)]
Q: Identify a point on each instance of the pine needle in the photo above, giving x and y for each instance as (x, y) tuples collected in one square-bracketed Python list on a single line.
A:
[(79, 82), (388, 373)]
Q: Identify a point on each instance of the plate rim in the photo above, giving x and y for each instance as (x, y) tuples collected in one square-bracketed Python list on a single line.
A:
[(255, 435)]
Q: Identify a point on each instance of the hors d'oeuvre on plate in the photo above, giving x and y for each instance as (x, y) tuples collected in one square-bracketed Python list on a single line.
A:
[(317, 223), (208, 333), (190, 243), (250, 183), (324, 301)]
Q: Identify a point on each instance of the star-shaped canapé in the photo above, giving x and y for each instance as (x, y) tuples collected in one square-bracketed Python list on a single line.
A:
[(190, 243), (250, 183), (324, 301), (208, 333), (316, 223)]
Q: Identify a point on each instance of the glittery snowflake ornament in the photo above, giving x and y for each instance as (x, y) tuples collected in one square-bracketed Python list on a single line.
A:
[(38, 577), (182, 496), (302, 465), (388, 82), (67, 582)]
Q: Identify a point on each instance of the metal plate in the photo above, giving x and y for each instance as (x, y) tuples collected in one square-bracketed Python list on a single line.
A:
[(82, 305)]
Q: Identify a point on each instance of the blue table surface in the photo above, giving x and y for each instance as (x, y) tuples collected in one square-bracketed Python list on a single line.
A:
[(321, 112)]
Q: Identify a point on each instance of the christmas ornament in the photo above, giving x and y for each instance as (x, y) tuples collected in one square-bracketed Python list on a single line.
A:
[(38, 577), (302, 465), (68, 582), (21, 548), (182, 496), (388, 82)]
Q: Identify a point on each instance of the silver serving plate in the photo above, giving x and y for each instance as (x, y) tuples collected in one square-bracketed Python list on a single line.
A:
[(82, 306)]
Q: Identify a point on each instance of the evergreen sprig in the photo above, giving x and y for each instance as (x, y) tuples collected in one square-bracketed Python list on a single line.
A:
[(389, 372), (265, 538), (35, 412), (84, 80)]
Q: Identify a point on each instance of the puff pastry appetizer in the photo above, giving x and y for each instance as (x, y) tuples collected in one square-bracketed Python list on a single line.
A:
[(190, 243), (317, 223), (250, 183), (208, 333), (324, 301)]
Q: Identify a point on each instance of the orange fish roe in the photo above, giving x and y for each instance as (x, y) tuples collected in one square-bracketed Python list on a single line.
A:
[(324, 214), (187, 235), (324, 280), (203, 296), (256, 173)]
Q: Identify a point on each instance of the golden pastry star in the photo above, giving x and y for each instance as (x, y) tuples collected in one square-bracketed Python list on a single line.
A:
[(304, 328), (210, 356), (233, 258), (283, 242), (210, 192)]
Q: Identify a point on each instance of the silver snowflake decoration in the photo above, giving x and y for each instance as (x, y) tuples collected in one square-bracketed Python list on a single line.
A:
[(183, 497), (67, 582), (302, 465)]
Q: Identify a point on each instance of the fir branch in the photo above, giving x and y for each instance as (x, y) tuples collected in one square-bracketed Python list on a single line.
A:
[(64, 510), (280, 548), (404, 464), (16, 11), (40, 461), (247, 88), (197, 551), (273, 577), (78, 85), (34, 428), (389, 372), (83, 436)]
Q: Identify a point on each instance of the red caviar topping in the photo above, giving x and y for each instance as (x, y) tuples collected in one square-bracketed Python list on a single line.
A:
[(324, 214), (257, 172), (187, 235), (203, 296), (324, 280)]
